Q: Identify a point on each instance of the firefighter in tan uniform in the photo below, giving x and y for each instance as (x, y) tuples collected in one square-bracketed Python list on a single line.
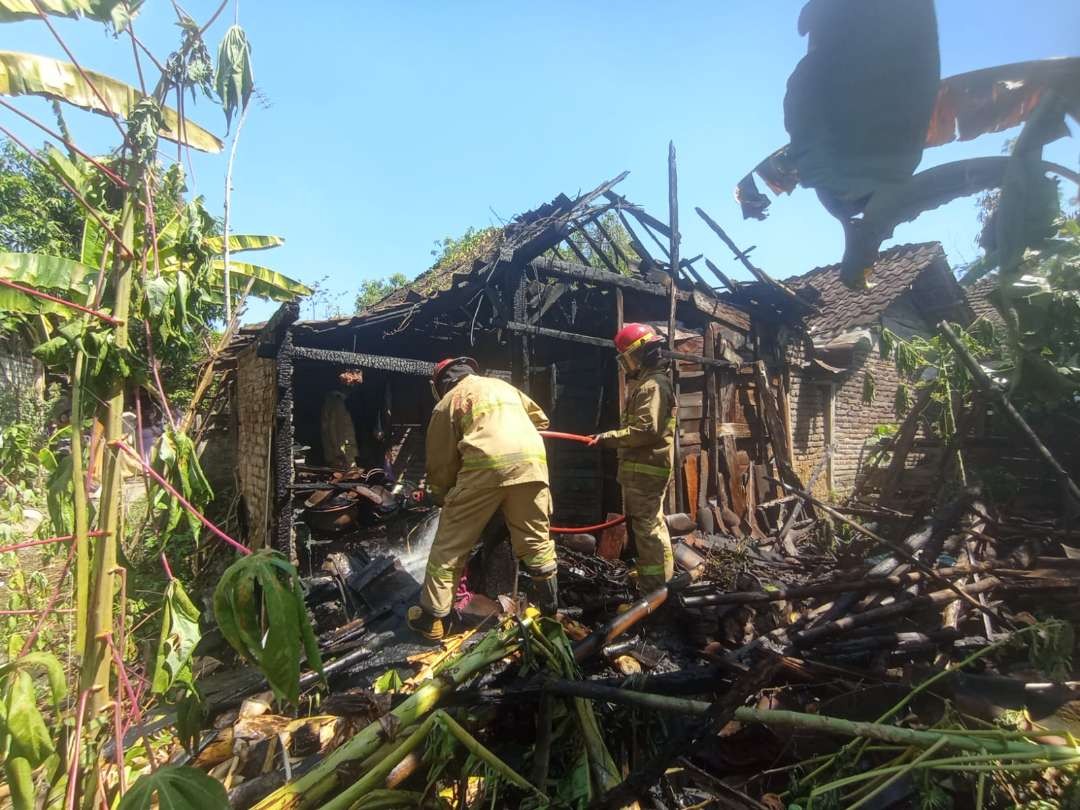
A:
[(484, 454), (645, 445)]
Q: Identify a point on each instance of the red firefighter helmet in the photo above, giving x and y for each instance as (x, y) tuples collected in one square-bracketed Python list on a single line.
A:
[(630, 339), (443, 365)]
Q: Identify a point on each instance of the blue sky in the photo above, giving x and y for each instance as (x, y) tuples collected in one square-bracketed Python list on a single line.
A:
[(394, 124)]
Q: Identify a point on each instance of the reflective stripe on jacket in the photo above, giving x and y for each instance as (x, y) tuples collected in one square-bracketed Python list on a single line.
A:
[(483, 434), (646, 440)]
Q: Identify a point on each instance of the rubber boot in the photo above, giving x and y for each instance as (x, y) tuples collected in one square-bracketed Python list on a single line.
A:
[(543, 593), (426, 625)]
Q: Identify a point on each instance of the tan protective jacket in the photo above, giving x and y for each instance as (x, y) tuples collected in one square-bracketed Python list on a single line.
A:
[(482, 434), (646, 440)]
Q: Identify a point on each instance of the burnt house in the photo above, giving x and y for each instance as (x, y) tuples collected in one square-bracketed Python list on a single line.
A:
[(841, 386), (535, 302)]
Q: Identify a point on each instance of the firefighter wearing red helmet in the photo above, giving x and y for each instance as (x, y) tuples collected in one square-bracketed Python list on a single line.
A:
[(484, 455), (645, 442)]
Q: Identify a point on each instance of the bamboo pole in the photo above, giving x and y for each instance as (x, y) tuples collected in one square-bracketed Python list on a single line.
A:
[(956, 739)]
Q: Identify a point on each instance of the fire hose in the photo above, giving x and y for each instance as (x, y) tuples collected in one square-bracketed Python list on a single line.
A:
[(615, 521)]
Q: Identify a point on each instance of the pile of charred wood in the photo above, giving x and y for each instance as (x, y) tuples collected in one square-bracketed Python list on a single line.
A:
[(887, 659)]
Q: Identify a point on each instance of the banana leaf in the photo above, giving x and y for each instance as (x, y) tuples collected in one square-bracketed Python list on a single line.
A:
[(29, 74), (66, 277), (113, 11), (267, 283), (241, 242)]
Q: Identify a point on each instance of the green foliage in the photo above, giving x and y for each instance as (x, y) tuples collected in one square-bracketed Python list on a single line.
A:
[(1051, 648), (179, 635), (177, 788), (234, 80), (373, 290), (25, 740), (259, 606), (190, 66), (37, 214), (1044, 295), (618, 243), (144, 123), (178, 462), (389, 682), (450, 252)]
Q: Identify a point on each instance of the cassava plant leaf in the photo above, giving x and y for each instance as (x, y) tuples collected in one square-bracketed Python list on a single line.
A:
[(259, 606), (191, 716), (175, 788), (179, 635), (23, 74), (20, 779), (234, 80), (23, 731)]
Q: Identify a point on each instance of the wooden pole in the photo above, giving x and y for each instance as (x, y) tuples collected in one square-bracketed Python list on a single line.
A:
[(619, 318), (986, 385), (673, 252)]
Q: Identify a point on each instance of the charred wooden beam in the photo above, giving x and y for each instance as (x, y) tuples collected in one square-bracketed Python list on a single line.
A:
[(583, 272), (646, 257), (741, 255), (597, 250), (605, 343), (639, 213), (282, 538), (401, 365), (727, 282), (520, 344), (619, 254), (673, 254)]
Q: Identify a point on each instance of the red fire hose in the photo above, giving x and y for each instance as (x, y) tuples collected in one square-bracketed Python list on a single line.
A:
[(615, 521), (570, 437)]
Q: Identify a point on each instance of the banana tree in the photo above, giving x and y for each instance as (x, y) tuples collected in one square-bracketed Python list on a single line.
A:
[(151, 274)]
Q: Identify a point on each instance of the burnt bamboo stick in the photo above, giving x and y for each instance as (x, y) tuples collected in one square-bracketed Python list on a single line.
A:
[(863, 585), (806, 638), (901, 551)]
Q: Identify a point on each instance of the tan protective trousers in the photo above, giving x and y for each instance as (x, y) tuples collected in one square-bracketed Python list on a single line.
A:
[(526, 509), (644, 500)]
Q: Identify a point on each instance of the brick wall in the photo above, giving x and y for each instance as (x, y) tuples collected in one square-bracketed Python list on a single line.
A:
[(22, 384), (256, 395), (853, 419), (856, 419), (808, 402)]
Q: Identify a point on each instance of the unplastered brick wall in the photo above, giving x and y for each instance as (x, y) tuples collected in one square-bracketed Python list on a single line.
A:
[(856, 419), (808, 404), (256, 396), (22, 381)]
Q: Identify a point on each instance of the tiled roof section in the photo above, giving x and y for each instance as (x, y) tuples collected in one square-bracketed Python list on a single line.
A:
[(841, 309), (979, 301)]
